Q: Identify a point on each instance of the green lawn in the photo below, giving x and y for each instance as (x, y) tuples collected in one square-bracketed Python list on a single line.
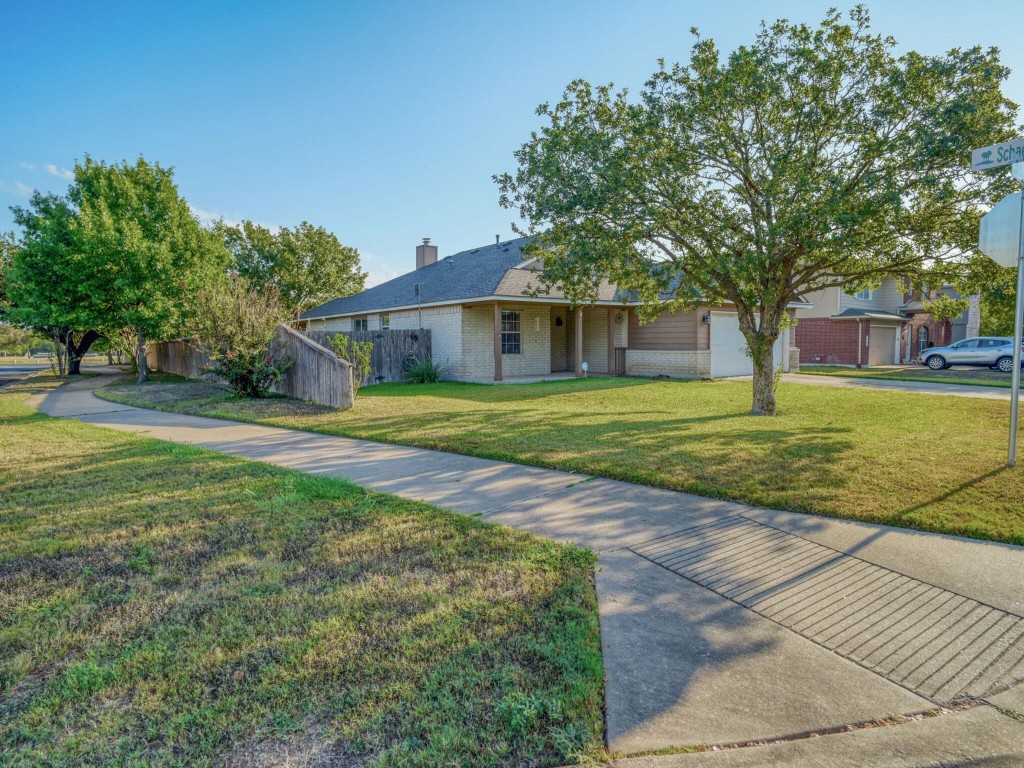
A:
[(919, 461), (979, 377), (161, 605)]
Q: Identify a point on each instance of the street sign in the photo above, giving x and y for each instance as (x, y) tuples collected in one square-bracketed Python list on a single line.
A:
[(999, 235), (1011, 151), (1001, 239)]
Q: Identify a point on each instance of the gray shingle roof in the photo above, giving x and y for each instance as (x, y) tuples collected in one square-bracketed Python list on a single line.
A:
[(867, 314), (466, 275)]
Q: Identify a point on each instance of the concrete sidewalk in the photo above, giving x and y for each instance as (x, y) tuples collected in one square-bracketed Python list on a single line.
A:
[(892, 385), (720, 623)]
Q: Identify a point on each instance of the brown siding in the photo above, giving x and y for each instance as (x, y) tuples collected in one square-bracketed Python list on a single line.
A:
[(681, 331)]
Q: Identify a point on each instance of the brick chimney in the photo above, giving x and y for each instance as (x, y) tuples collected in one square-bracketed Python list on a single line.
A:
[(425, 254)]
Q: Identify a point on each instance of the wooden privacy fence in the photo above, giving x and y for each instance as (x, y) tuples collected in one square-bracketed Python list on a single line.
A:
[(392, 349), (316, 373), (177, 357)]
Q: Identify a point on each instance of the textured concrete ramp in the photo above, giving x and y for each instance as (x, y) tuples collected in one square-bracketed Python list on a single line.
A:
[(934, 642)]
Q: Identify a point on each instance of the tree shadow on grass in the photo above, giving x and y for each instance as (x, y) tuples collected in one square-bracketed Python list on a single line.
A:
[(491, 393)]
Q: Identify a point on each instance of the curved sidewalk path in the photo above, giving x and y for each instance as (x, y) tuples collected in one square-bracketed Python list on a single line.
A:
[(720, 623)]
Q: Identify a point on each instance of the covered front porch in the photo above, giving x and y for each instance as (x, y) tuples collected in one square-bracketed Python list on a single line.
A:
[(540, 342)]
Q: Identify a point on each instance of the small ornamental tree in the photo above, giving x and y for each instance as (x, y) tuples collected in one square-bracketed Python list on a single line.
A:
[(811, 158), (359, 353), (235, 325)]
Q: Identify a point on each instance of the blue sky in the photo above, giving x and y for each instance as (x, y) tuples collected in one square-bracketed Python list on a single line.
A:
[(382, 121)]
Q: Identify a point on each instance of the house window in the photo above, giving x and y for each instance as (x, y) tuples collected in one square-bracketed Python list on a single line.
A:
[(865, 295), (511, 334), (385, 322), (360, 324), (922, 338)]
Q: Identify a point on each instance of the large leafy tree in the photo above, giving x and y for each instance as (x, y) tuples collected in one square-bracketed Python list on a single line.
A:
[(813, 157), (306, 265), (144, 254), (43, 285), (998, 303)]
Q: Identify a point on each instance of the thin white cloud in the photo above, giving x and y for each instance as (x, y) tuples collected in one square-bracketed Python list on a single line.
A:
[(208, 217), (377, 271), (60, 173), (26, 166), (22, 190)]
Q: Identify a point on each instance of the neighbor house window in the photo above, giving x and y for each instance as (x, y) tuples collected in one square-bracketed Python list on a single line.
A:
[(511, 334), (864, 295), (360, 324), (385, 322), (922, 338)]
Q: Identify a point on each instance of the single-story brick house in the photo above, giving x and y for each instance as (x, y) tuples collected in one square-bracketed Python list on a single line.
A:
[(886, 326), (488, 322)]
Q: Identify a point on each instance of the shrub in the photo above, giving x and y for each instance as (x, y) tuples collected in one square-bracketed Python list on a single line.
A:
[(235, 325), (356, 352), (424, 371)]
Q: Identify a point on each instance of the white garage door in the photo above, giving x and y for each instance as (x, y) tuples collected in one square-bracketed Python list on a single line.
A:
[(727, 347)]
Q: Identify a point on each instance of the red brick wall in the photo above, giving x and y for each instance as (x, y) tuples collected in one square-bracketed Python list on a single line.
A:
[(939, 333), (829, 342)]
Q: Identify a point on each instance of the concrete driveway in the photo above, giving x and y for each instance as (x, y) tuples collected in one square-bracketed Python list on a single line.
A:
[(721, 624), (918, 387)]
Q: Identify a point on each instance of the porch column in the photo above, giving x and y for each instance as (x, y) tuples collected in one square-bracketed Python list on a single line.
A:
[(497, 341), (579, 341), (611, 341), (785, 350)]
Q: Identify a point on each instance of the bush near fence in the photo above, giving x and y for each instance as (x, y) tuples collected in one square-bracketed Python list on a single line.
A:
[(317, 374), (392, 349)]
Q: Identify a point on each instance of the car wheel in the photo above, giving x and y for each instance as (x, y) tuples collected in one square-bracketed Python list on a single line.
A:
[(936, 362), (1004, 364)]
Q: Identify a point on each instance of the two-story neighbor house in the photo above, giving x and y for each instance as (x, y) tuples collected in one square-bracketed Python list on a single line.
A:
[(490, 321), (886, 326)]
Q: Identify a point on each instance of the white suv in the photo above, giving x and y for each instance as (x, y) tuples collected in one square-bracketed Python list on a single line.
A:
[(990, 351)]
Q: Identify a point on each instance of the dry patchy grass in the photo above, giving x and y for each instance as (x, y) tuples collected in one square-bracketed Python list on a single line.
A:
[(163, 605)]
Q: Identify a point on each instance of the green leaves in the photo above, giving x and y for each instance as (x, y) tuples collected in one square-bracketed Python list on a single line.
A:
[(141, 250), (813, 157), (307, 265), (120, 250)]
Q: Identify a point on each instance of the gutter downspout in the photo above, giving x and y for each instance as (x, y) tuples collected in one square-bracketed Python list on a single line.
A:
[(860, 342)]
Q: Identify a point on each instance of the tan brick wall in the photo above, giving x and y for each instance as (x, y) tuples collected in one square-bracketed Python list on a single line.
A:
[(445, 324), (663, 362), (595, 338), (342, 324), (794, 359), (622, 329), (478, 342)]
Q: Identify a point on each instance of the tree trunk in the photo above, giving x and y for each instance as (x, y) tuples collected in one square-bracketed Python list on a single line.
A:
[(77, 351), (59, 350), (140, 354), (764, 378), (761, 330)]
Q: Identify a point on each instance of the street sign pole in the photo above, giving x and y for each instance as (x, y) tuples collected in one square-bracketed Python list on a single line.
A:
[(1018, 328), (1001, 238)]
